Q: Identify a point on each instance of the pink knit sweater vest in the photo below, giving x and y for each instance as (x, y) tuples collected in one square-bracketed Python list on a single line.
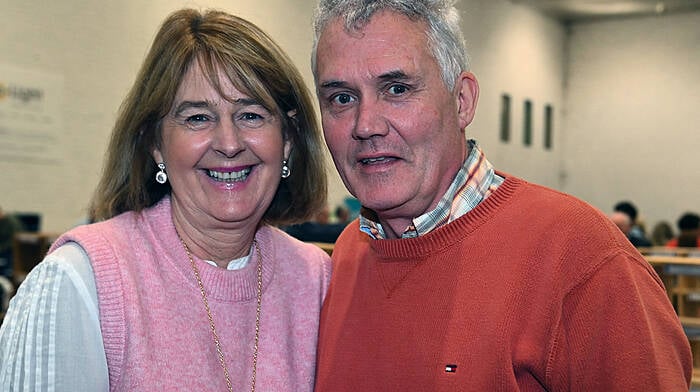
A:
[(155, 328)]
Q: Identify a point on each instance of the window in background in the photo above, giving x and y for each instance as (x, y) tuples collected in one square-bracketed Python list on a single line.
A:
[(505, 118), (548, 127), (527, 123)]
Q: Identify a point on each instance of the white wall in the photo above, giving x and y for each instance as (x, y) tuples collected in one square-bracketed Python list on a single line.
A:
[(630, 90), (632, 114), (519, 52), (97, 47)]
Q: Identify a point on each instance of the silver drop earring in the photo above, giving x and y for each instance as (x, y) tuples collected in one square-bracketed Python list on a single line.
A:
[(286, 171), (161, 177)]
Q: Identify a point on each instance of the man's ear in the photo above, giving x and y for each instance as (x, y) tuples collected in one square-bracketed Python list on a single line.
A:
[(467, 96)]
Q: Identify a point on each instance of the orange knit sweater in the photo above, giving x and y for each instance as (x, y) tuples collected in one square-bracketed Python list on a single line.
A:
[(533, 290)]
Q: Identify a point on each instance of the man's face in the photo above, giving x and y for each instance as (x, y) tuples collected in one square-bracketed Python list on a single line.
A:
[(395, 131)]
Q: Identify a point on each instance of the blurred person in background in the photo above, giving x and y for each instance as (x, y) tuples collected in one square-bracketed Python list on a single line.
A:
[(689, 232), (662, 233), (636, 233)]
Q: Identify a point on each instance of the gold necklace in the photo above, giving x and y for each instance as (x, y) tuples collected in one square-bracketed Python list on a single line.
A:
[(219, 351)]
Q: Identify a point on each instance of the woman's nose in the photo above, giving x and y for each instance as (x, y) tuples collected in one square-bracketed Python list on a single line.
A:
[(227, 139)]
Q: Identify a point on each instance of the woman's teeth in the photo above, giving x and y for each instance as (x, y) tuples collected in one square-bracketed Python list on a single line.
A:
[(229, 176)]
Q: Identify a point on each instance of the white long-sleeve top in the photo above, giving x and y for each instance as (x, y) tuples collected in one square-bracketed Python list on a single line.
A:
[(55, 311)]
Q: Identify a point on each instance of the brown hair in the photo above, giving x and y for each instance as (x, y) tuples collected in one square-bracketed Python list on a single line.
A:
[(257, 66)]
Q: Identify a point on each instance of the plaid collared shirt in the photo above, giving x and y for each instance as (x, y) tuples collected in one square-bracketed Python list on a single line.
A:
[(474, 182)]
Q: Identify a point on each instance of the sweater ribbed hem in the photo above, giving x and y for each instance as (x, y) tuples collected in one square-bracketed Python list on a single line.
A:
[(109, 292)]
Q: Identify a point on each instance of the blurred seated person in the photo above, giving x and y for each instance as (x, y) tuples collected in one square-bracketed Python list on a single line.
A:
[(635, 233), (317, 230), (689, 236), (342, 214), (662, 233), (624, 223), (9, 225)]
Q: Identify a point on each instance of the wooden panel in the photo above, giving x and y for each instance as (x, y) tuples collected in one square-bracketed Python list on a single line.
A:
[(325, 246), (679, 269)]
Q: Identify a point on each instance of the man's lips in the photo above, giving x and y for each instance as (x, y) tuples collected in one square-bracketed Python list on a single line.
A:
[(376, 159)]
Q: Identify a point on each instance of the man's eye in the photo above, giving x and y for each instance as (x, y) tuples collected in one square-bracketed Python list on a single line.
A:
[(397, 89), (342, 99)]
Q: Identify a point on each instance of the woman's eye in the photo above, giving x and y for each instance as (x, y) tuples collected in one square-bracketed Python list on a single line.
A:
[(342, 99), (197, 119), (250, 120), (251, 116)]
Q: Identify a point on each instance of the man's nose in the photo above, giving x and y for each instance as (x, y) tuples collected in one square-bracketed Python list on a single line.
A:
[(370, 120)]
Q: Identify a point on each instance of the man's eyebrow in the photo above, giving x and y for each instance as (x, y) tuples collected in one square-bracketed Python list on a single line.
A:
[(385, 77), (393, 75), (333, 84)]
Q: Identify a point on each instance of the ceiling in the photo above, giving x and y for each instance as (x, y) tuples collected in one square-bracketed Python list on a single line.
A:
[(582, 10)]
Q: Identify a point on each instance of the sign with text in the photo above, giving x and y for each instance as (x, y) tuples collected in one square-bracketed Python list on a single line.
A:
[(30, 116)]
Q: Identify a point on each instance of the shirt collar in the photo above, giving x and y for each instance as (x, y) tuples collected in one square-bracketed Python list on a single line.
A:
[(475, 181)]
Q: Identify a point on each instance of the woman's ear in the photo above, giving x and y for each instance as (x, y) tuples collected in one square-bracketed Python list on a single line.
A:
[(292, 114), (157, 156), (287, 148)]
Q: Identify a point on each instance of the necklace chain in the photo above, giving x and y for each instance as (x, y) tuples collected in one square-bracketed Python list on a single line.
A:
[(212, 327)]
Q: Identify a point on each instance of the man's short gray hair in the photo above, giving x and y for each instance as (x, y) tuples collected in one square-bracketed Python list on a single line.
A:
[(445, 38)]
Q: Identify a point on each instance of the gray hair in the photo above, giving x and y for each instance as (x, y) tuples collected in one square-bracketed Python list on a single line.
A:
[(445, 38)]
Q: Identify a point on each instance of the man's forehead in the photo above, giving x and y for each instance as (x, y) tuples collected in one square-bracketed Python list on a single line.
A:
[(380, 50)]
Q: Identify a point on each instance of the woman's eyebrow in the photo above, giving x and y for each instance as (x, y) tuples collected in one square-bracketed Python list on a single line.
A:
[(184, 105)]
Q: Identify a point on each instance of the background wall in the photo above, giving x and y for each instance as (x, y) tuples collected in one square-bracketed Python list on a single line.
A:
[(96, 48), (519, 52), (595, 73), (631, 130)]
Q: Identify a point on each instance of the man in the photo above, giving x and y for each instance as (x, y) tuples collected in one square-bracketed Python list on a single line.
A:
[(622, 221), (457, 277), (689, 232), (635, 233)]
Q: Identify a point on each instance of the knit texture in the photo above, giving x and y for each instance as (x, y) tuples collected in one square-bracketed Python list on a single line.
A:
[(154, 325), (532, 290)]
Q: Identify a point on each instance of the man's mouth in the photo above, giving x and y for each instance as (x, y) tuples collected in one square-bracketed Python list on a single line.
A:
[(369, 161)]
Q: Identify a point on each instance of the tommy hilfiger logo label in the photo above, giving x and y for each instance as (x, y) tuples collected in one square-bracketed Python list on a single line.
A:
[(450, 368)]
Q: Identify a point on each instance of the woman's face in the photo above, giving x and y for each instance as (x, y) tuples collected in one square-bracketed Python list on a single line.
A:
[(223, 157)]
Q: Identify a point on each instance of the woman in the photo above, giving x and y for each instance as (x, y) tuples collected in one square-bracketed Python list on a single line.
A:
[(196, 290)]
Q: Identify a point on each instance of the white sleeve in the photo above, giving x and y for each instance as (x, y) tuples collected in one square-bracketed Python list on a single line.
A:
[(50, 339)]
